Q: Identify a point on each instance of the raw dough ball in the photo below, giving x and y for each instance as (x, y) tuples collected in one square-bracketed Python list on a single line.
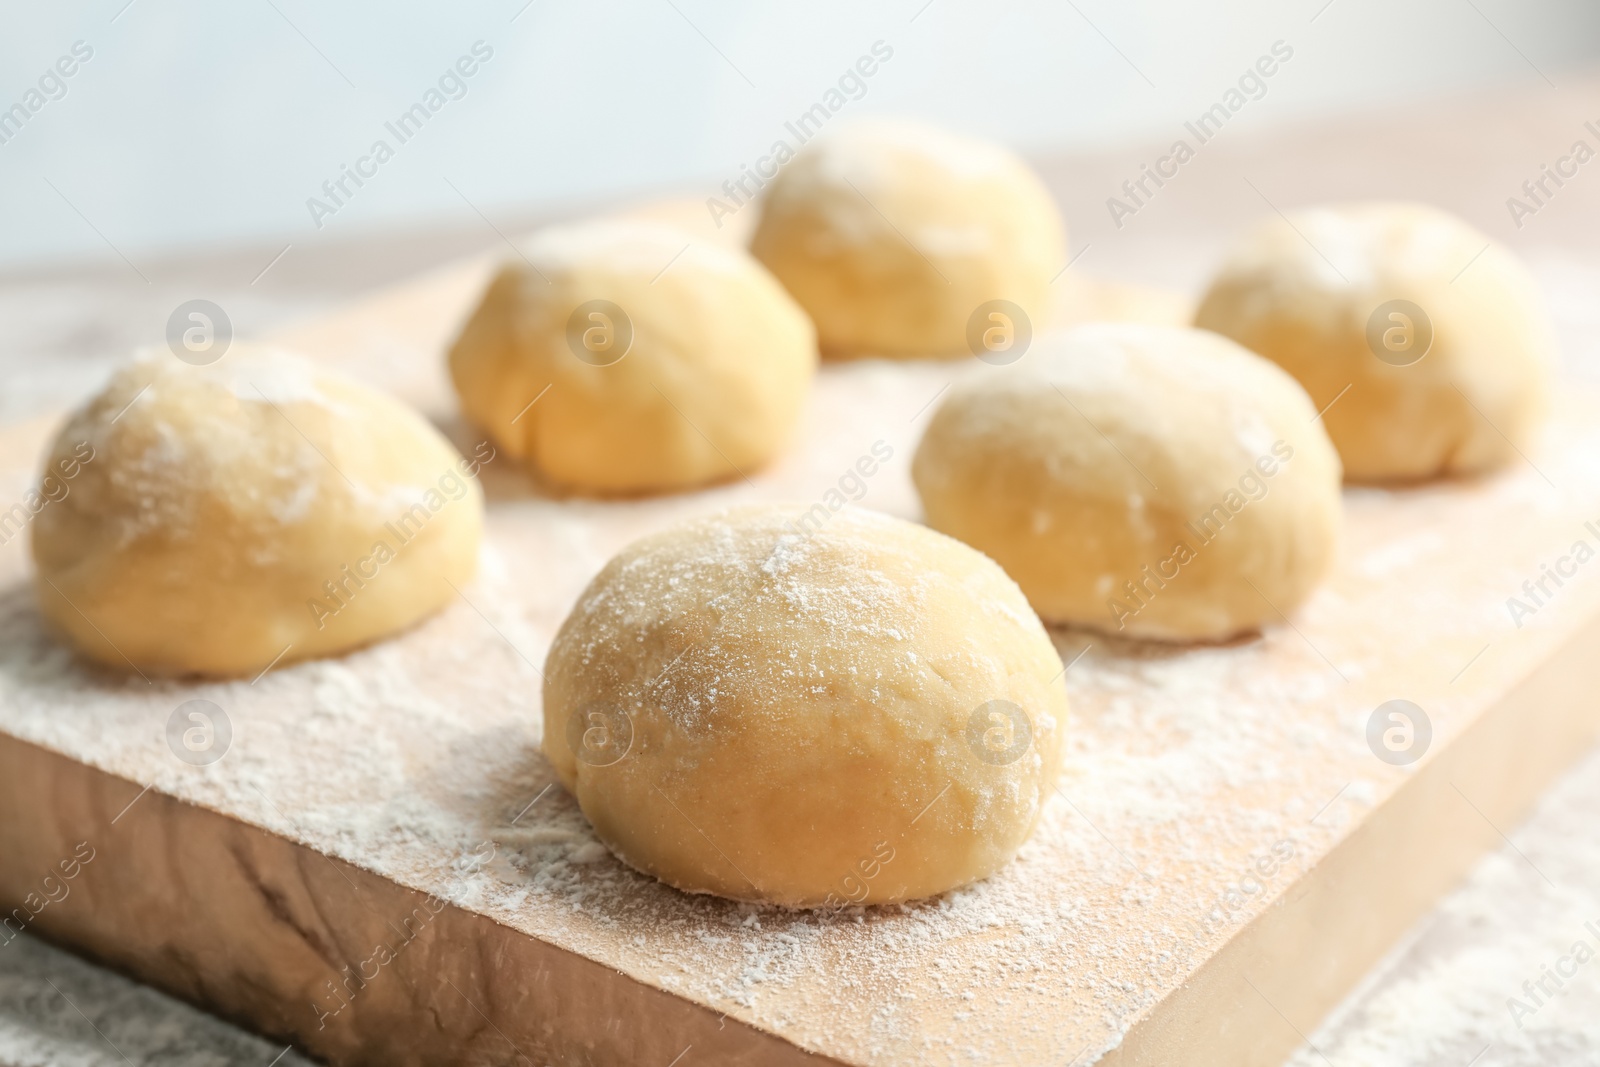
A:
[(670, 362), (1456, 388), (1152, 481), (221, 514), (892, 234), (857, 712)]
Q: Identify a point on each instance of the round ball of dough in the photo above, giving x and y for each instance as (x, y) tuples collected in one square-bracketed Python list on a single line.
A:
[(766, 709), (669, 362), (1437, 333), (218, 517), (897, 237), (1150, 481)]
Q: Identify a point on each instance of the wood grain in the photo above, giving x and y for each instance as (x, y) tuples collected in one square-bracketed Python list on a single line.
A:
[(405, 775)]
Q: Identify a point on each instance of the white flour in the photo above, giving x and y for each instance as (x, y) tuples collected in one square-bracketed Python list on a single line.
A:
[(1184, 769)]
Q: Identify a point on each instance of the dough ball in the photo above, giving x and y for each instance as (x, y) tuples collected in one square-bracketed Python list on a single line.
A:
[(669, 362), (893, 236), (1438, 333), (1150, 481), (771, 707), (219, 515)]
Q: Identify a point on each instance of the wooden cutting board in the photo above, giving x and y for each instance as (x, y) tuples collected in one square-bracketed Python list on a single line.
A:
[(381, 869)]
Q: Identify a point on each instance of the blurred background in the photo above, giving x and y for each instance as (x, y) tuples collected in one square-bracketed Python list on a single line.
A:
[(186, 153), (196, 125)]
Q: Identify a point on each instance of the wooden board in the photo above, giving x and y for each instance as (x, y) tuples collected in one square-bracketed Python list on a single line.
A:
[(1224, 858)]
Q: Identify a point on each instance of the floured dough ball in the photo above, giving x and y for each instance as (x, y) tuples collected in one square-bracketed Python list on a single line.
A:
[(223, 516), (624, 356), (1437, 332), (1151, 481), (811, 712), (898, 238)]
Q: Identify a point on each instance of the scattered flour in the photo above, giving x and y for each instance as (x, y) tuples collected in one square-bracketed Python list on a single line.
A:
[(1183, 769)]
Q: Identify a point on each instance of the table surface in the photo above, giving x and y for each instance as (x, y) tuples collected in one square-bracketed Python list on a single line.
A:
[(1441, 998)]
